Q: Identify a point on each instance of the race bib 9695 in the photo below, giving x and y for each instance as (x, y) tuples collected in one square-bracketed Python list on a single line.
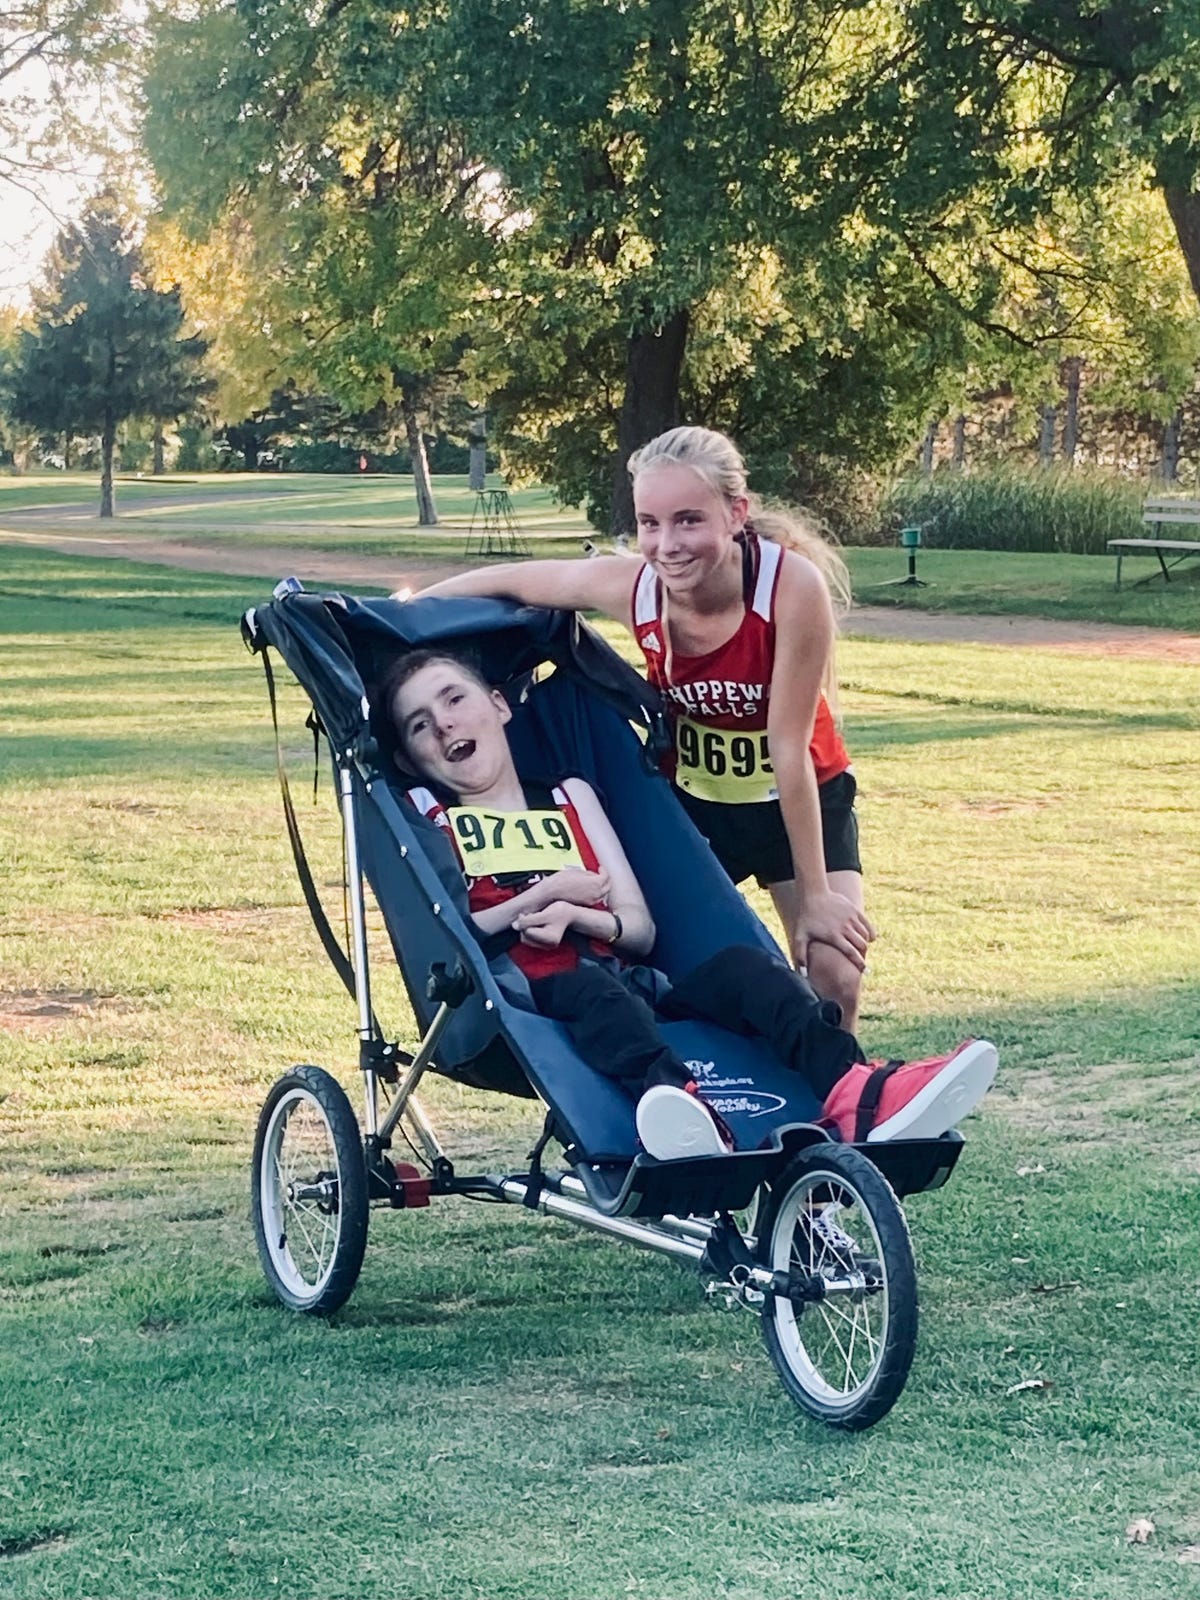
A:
[(722, 764)]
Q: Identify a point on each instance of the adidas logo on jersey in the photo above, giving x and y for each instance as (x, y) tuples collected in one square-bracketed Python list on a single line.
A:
[(652, 642)]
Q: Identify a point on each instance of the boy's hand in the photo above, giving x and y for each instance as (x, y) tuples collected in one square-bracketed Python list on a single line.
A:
[(577, 886), (545, 928)]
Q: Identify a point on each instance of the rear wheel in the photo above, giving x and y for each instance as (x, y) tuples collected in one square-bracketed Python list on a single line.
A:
[(843, 1336), (309, 1196)]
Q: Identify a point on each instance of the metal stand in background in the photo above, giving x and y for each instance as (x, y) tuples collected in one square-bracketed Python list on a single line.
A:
[(910, 540), (493, 530)]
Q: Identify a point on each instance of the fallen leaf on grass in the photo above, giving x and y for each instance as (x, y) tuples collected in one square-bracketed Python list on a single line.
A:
[(1140, 1530), (1028, 1383), (1056, 1288), (1028, 1172), (1189, 1556)]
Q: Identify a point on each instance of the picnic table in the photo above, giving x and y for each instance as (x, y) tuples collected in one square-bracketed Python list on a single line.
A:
[(1162, 511)]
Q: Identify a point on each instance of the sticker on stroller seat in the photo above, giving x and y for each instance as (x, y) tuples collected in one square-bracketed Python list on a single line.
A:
[(750, 1102), (745, 1105), (493, 843)]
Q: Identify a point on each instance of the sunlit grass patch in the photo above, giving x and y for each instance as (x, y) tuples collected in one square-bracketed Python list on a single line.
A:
[(506, 1407)]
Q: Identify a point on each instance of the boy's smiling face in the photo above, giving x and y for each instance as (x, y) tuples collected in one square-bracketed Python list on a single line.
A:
[(451, 729)]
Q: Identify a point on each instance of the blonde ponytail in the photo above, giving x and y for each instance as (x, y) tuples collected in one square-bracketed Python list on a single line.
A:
[(796, 530)]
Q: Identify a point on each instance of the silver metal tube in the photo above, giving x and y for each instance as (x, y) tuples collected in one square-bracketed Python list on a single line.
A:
[(358, 915), (424, 1129), (358, 933), (586, 1215), (686, 1227), (416, 1072)]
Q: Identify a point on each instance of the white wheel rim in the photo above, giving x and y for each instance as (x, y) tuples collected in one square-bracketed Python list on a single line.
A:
[(834, 1346), (301, 1235)]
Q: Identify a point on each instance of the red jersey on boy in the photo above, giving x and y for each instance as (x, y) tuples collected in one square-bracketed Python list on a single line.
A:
[(503, 852)]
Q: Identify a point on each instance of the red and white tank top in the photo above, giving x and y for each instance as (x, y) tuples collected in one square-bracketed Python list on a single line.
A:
[(719, 701), (503, 852)]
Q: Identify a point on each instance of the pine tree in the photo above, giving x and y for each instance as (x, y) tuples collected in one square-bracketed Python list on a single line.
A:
[(107, 347)]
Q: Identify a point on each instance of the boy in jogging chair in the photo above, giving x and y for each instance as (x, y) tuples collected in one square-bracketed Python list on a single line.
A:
[(554, 878)]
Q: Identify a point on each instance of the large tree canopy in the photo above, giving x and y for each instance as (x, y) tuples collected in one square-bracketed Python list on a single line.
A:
[(793, 219)]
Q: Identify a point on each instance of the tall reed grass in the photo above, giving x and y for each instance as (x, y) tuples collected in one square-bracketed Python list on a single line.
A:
[(1010, 508)]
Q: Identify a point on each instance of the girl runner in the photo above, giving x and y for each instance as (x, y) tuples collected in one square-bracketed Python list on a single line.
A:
[(731, 606)]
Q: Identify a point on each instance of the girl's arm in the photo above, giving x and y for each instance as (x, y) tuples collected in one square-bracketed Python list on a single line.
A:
[(625, 897), (804, 639), (600, 583)]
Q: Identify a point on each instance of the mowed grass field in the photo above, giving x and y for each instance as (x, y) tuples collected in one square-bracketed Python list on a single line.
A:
[(506, 1408), (372, 516)]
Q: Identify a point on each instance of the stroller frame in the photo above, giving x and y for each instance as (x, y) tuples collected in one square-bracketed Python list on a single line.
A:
[(804, 1231)]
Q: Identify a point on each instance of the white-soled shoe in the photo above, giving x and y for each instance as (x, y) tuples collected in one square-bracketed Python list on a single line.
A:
[(918, 1099), (673, 1125)]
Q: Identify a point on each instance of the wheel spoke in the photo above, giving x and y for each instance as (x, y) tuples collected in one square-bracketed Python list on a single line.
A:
[(311, 1201), (831, 1349)]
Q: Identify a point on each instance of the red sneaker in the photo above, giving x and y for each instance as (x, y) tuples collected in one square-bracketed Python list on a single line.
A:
[(911, 1100)]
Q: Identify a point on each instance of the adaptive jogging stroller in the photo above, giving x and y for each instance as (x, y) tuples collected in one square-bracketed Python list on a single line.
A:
[(802, 1229)]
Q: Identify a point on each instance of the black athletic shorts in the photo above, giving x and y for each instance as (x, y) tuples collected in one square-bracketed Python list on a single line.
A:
[(751, 840)]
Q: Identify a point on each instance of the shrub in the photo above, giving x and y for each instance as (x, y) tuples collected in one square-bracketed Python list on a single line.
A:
[(1008, 508)]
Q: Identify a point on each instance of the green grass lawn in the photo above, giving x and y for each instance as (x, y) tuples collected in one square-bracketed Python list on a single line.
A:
[(377, 516), (997, 583), (506, 1408)]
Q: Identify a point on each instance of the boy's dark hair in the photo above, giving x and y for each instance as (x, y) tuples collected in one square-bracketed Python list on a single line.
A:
[(414, 661), (407, 666)]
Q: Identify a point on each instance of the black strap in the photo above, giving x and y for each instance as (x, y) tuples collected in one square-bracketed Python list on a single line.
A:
[(868, 1101), (342, 964), (533, 1189), (750, 561)]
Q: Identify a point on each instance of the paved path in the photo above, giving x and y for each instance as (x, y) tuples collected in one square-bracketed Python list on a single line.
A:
[(328, 569)]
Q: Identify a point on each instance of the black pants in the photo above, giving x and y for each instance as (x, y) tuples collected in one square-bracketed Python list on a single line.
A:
[(743, 989)]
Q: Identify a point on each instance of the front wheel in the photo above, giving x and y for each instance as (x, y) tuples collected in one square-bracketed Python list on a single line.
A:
[(842, 1336), (309, 1196)]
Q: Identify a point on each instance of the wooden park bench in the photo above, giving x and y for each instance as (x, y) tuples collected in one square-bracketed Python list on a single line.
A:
[(1163, 512)]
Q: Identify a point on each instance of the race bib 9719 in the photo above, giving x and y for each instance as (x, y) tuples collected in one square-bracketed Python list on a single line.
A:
[(493, 843), (722, 764)]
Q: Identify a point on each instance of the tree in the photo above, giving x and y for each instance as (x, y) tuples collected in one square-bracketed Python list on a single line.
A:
[(587, 197), (60, 63), (106, 346), (577, 181)]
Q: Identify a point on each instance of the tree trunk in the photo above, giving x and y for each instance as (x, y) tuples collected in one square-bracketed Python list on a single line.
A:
[(1168, 467), (1072, 369), (108, 439), (427, 516), (158, 449), (1046, 441), (650, 405), (66, 452), (250, 456), (960, 441), (1185, 214), (927, 444)]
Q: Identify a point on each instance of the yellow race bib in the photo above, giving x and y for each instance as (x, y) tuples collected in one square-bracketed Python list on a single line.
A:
[(494, 843), (722, 764)]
